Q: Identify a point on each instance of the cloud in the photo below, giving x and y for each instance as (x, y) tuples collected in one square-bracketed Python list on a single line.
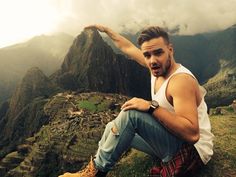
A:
[(189, 17)]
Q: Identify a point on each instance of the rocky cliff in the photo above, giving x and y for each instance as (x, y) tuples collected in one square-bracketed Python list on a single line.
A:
[(23, 115), (222, 87)]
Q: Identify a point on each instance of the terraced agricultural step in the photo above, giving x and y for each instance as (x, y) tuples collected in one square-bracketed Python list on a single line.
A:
[(25, 167)]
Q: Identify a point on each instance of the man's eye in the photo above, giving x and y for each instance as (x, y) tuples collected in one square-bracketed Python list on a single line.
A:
[(147, 55), (157, 52)]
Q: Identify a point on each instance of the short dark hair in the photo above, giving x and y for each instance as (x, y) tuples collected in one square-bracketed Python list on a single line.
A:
[(153, 32)]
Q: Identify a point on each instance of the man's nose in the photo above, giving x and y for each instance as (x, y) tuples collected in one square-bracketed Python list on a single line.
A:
[(153, 59)]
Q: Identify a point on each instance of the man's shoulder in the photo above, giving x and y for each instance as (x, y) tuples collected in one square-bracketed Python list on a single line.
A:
[(182, 82), (182, 76)]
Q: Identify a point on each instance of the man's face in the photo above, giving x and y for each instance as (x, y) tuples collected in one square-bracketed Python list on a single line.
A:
[(158, 56)]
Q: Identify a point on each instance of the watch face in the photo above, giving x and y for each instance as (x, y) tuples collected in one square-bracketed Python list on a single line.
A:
[(155, 103)]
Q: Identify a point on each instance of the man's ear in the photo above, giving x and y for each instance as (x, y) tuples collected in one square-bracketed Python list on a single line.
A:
[(170, 47)]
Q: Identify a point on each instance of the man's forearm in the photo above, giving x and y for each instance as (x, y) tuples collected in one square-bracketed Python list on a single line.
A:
[(121, 42), (178, 125)]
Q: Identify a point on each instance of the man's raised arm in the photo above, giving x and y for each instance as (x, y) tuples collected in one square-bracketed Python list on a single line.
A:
[(122, 43)]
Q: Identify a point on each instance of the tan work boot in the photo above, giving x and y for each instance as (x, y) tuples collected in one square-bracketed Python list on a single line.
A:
[(89, 171)]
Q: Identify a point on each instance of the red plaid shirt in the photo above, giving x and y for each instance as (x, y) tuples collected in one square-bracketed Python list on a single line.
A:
[(183, 164)]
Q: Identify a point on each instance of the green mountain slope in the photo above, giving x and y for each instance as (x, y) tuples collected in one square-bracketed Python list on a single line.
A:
[(68, 139), (222, 87)]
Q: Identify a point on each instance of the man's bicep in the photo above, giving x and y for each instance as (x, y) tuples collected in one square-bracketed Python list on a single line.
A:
[(184, 97), (185, 105)]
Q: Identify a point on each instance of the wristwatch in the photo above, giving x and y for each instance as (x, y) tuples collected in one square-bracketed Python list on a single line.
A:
[(154, 105)]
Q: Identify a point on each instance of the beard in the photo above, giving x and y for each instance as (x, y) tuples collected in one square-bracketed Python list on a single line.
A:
[(161, 70)]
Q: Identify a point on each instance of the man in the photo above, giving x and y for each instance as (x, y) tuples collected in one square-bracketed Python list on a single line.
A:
[(173, 127)]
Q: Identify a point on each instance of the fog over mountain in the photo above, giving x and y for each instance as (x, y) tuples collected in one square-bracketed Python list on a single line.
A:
[(45, 52), (189, 17)]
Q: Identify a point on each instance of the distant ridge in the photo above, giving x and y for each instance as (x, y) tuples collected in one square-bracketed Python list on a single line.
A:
[(45, 52)]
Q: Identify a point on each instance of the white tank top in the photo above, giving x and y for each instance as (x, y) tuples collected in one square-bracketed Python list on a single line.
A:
[(205, 144)]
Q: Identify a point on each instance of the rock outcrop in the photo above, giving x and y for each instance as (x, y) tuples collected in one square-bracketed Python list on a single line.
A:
[(222, 87)]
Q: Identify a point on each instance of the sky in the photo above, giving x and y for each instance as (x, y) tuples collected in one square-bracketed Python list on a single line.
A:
[(22, 19)]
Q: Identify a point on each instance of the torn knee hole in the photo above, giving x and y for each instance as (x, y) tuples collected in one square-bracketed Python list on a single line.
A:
[(115, 130)]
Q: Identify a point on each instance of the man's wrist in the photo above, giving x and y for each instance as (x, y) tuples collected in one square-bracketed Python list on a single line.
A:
[(153, 106)]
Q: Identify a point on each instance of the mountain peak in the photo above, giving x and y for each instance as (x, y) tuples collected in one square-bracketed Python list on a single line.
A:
[(34, 78), (91, 32), (233, 26), (34, 70), (34, 84), (22, 105), (87, 38), (87, 52)]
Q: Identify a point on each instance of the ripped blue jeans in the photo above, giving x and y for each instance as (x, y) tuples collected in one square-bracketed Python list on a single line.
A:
[(138, 130)]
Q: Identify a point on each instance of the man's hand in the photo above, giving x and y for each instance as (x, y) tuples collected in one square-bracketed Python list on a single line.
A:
[(69, 175), (137, 104), (98, 27)]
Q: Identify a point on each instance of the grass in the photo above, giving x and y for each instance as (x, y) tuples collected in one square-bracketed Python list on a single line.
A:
[(222, 164), (94, 104), (96, 99), (103, 106), (136, 164), (88, 105)]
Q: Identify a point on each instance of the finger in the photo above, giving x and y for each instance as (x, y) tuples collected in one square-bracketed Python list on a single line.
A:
[(90, 26), (101, 28), (130, 107), (127, 103), (64, 175)]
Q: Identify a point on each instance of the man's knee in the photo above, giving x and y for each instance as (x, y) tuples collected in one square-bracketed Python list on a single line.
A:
[(125, 118), (129, 114), (114, 129)]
